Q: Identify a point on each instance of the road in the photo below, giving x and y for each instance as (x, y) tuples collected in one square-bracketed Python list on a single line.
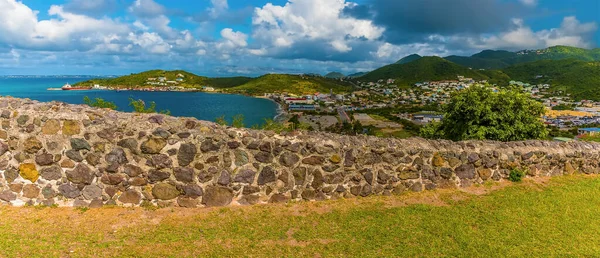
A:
[(343, 116)]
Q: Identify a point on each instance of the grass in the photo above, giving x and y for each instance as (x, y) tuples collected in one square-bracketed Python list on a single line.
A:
[(555, 218)]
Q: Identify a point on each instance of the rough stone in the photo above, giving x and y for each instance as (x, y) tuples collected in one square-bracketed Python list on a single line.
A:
[(153, 145), (81, 174), (314, 160), (245, 176), (31, 191), (186, 154), (74, 155), (288, 159), (133, 170), (264, 157), (51, 173), (217, 196), (165, 191), (267, 175), (130, 196), (80, 144), (29, 172), (117, 155), (185, 175), (45, 159), (465, 171), (91, 192), (71, 127), (32, 145), (7, 196), (69, 191)]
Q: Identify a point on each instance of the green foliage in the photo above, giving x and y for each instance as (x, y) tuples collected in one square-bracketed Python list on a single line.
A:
[(293, 84), (590, 138), (139, 106), (478, 113), (563, 107), (221, 121), (516, 175), (499, 59), (408, 59), (238, 121), (423, 69), (271, 125), (138, 80), (578, 78), (227, 82), (99, 103), (335, 75)]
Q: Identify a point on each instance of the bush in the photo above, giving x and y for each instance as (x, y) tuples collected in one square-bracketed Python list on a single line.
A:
[(99, 103), (516, 175), (139, 106)]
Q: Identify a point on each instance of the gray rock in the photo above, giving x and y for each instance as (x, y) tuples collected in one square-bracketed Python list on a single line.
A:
[(465, 171), (158, 175), (129, 143), (45, 159), (209, 146), (264, 157), (288, 159), (74, 155), (80, 144), (81, 174), (7, 196), (224, 178), (51, 173), (245, 176), (69, 191), (185, 175), (91, 192), (187, 154), (117, 155), (267, 175)]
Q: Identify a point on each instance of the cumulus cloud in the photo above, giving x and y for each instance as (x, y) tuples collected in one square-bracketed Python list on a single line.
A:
[(236, 38), (146, 8), (570, 33), (299, 24), (529, 2)]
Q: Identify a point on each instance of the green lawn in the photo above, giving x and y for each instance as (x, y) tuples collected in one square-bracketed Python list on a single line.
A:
[(556, 218)]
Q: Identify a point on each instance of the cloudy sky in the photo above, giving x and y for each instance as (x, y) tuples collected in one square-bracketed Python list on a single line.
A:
[(253, 37)]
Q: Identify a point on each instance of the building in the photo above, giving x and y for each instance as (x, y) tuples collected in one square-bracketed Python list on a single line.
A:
[(588, 131), (301, 107)]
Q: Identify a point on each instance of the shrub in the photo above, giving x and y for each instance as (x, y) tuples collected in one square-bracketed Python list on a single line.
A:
[(516, 175), (139, 106), (221, 121), (99, 103), (238, 121)]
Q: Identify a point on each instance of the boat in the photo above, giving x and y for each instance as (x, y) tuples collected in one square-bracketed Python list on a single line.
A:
[(69, 87)]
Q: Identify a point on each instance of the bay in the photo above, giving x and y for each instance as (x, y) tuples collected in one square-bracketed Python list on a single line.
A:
[(204, 106)]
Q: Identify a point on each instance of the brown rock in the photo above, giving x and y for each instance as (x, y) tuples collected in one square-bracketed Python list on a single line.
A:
[(131, 196), (71, 127), (31, 191), (32, 145), (51, 126)]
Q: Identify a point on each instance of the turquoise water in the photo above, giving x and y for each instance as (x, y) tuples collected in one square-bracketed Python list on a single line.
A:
[(204, 106)]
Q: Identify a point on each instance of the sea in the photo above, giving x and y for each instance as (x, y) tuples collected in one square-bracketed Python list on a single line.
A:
[(203, 106)]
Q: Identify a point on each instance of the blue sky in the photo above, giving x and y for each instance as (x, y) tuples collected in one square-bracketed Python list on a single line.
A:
[(254, 37)]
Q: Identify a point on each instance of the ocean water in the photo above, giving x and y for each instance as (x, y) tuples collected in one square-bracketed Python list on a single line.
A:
[(204, 106)]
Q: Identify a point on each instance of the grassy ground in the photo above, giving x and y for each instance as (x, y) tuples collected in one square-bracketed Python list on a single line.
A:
[(532, 219)]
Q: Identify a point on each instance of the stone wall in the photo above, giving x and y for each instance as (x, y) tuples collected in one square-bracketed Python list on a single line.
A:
[(70, 155)]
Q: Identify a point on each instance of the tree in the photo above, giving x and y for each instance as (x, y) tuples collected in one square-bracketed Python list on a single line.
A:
[(478, 113), (238, 121)]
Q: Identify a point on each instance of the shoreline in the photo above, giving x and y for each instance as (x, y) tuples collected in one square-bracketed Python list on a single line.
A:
[(280, 116)]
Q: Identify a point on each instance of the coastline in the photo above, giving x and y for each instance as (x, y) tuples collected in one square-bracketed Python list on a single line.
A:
[(281, 112)]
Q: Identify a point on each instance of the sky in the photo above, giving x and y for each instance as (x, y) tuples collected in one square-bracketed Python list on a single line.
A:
[(255, 37)]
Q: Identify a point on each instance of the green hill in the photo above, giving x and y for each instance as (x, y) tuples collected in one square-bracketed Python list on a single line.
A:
[(477, 63), (408, 59), (579, 78), (335, 75), (424, 69), (227, 82), (138, 80), (356, 75), (294, 84), (498, 59)]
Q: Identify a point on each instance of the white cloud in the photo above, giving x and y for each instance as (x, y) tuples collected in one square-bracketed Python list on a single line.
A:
[(570, 33), (146, 8), (236, 38), (311, 20), (218, 8), (529, 2)]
